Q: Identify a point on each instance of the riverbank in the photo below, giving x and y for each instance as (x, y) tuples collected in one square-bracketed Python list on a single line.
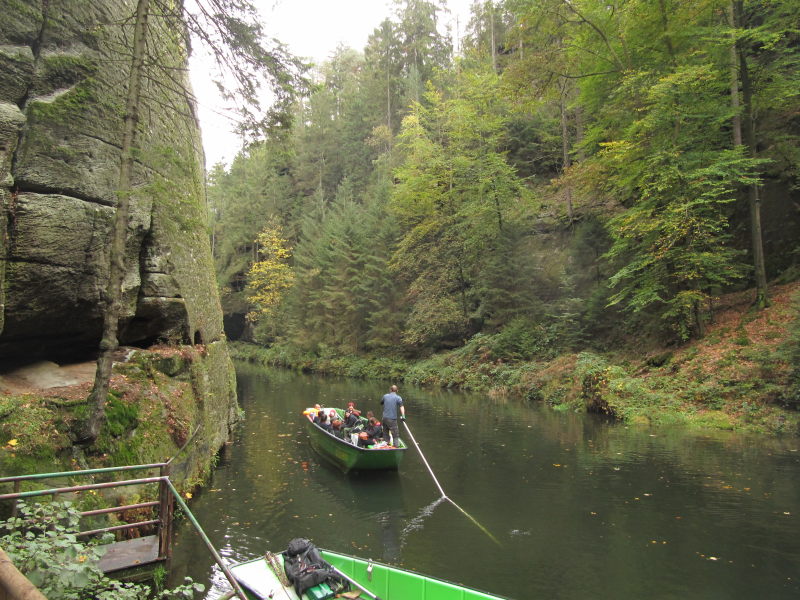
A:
[(743, 375)]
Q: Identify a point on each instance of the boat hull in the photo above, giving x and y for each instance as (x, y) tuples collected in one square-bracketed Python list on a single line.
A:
[(383, 581), (348, 457)]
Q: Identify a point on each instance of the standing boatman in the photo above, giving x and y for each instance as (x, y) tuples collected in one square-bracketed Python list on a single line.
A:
[(392, 402)]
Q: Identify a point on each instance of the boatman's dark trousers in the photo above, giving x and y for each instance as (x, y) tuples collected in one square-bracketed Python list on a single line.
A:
[(390, 425)]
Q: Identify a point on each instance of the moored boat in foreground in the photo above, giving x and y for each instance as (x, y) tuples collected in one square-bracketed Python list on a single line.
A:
[(261, 579), (345, 453)]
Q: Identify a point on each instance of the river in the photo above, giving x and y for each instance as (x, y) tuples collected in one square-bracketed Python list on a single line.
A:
[(573, 506)]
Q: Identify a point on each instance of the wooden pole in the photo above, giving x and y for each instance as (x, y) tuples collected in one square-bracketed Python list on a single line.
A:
[(13, 584)]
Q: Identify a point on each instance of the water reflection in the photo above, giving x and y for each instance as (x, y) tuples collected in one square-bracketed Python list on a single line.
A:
[(582, 507)]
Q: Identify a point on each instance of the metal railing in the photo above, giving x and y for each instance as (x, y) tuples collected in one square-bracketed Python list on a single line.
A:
[(168, 495)]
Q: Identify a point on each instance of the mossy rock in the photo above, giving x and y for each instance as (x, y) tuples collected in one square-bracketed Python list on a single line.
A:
[(171, 365)]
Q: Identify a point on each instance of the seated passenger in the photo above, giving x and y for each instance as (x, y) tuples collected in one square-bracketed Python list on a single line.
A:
[(374, 431), (338, 427), (351, 416), (323, 422), (317, 408)]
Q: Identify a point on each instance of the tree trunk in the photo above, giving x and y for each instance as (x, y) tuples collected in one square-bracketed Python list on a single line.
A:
[(494, 44), (737, 117), (565, 153), (388, 98), (113, 293), (749, 138), (579, 134)]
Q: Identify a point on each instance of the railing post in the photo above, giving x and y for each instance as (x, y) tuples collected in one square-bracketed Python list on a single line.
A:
[(166, 508), (17, 488)]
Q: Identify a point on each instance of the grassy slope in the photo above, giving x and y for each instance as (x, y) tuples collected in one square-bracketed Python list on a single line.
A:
[(151, 412)]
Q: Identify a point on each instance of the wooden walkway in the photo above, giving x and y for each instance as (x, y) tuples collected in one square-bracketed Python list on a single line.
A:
[(130, 553)]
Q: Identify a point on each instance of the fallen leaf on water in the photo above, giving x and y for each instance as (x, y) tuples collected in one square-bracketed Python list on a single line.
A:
[(12, 443), (188, 495)]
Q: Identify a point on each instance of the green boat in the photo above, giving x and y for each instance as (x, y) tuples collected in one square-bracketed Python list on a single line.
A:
[(375, 580), (347, 455)]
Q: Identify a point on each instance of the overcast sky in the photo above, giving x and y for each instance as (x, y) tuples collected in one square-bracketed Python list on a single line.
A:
[(311, 29)]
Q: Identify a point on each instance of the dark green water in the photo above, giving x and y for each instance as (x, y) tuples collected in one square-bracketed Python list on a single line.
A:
[(581, 507)]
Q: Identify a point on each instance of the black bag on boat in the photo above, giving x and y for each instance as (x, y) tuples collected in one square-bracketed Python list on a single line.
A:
[(297, 546), (305, 567)]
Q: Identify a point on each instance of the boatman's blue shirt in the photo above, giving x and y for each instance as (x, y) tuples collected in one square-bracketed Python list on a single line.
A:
[(390, 403)]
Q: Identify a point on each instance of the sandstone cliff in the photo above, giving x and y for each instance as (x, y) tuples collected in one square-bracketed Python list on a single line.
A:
[(63, 65)]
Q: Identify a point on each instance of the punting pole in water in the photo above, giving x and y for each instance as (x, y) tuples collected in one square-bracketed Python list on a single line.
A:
[(422, 456), (444, 496), (354, 582)]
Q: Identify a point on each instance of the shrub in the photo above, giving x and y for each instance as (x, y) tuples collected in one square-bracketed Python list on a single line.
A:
[(42, 543)]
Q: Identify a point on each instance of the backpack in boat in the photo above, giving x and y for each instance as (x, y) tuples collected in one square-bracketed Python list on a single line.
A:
[(305, 567)]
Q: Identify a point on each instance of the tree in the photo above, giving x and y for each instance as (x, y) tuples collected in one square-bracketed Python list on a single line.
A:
[(424, 48), (271, 275), (113, 292), (383, 64), (746, 135), (455, 193), (672, 241)]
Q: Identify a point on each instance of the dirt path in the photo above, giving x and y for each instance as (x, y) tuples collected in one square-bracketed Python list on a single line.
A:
[(44, 375)]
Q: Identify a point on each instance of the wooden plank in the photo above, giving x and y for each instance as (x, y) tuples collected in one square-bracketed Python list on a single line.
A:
[(130, 553), (259, 579)]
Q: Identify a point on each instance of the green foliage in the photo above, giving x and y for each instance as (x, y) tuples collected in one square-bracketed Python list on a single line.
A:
[(34, 425), (121, 417), (522, 339), (570, 184), (43, 545), (455, 199), (72, 104), (672, 241), (269, 277)]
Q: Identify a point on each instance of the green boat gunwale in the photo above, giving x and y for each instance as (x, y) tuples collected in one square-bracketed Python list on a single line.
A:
[(475, 593)]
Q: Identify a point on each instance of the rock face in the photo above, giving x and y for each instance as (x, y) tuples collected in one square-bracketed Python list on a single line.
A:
[(63, 69), (63, 65)]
